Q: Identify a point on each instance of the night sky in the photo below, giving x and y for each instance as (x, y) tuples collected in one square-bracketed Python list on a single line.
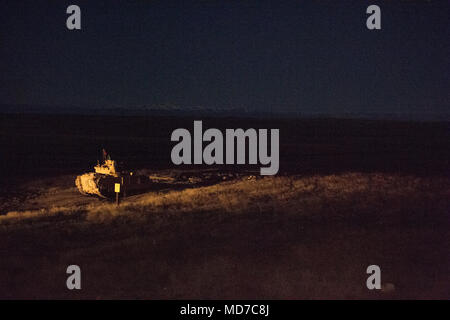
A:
[(305, 56)]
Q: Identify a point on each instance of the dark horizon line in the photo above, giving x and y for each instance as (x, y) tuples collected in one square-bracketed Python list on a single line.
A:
[(177, 110)]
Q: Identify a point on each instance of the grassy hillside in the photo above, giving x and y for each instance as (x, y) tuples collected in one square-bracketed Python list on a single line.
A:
[(274, 237)]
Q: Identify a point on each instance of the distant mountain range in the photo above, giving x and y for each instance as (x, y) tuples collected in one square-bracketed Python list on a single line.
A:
[(174, 110)]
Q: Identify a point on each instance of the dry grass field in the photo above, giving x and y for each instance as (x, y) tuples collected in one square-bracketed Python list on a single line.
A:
[(349, 194), (278, 237)]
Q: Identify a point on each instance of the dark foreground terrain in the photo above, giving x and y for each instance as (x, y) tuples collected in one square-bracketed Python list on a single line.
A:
[(350, 193)]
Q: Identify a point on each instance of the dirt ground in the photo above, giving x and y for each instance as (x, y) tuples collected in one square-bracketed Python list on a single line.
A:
[(380, 194)]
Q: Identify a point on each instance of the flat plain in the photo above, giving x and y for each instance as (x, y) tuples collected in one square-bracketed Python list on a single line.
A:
[(349, 194)]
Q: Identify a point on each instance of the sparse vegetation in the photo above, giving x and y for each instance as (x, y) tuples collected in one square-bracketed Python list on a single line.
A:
[(345, 195), (349, 193), (274, 237)]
